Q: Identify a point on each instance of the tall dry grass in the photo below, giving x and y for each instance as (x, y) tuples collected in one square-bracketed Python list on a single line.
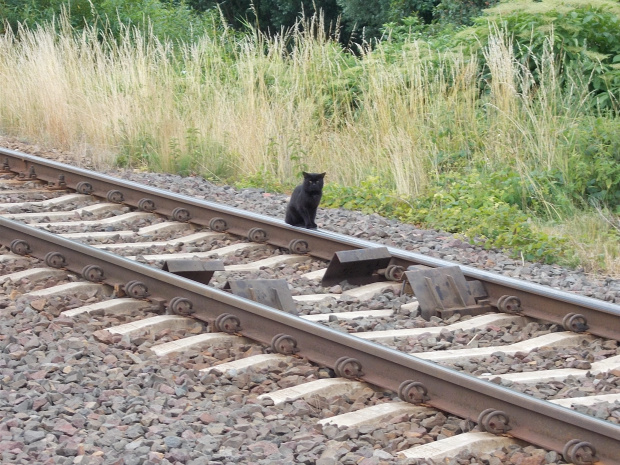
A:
[(232, 106), (594, 237)]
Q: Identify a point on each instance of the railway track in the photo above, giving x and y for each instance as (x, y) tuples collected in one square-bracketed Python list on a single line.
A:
[(126, 248)]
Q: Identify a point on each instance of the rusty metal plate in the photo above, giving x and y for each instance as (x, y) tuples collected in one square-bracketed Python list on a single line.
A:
[(357, 266), (196, 270), (272, 292), (444, 291), (477, 289)]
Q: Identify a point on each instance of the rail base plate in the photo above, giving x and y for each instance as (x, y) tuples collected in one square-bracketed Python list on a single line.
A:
[(272, 292), (357, 266), (444, 291), (196, 270)]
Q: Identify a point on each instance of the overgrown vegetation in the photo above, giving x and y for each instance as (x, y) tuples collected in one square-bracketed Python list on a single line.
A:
[(505, 131), (164, 19), (348, 20)]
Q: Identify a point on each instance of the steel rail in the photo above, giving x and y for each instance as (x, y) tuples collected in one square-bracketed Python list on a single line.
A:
[(537, 301), (536, 421), (530, 419)]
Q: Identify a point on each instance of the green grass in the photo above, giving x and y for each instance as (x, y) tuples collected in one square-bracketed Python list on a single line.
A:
[(497, 153)]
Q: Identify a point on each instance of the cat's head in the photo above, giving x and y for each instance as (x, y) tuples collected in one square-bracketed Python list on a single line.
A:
[(313, 182)]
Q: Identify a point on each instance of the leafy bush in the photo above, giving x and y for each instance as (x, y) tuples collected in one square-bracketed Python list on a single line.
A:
[(480, 208), (363, 19), (596, 164), (371, 196), (166, 19), (461, 12), (270, 15), (585, 38), (473, 205)]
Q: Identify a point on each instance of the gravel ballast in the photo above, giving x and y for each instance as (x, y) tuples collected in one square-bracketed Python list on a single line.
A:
[(68, 397)]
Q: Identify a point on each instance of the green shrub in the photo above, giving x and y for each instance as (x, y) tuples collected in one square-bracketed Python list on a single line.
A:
[(371, 196), (138, 151), (32, 12), (461, 12), (479, 207), (586, 38), (595, 167), (166, 19), (475, 206)]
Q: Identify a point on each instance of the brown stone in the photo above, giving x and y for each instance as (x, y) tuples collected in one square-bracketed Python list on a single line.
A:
[(63, 426), (40, 374), (11, 445), (110, 359), (38, 403), (206, 418), (38, 304), (103, 336), (533, 460), (14, 294), (166, 389), (267, 448)]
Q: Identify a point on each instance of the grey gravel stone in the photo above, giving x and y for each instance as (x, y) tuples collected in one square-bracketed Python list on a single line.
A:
[(173, 441), (33, 436)]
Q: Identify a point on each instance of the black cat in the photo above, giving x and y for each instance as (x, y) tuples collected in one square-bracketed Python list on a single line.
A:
[(301, 210)]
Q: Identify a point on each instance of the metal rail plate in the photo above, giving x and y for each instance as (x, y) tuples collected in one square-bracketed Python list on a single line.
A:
[(356, 266), (272, 292), (443, 292), (196, 270)]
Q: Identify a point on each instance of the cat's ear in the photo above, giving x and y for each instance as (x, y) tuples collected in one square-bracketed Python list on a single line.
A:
[(305, 174), (322, 175)]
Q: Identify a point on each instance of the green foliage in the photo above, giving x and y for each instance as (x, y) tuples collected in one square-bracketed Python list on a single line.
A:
[(403, 31), (423, 9), (586, 38), (595, 168), (270, 15), (264, 179), (194, 156), (359, 20), (461, 12), (330, 80), (372, 196), (199, 156), (367, 19), (179, 20), (138, 152), (166, 19), (33, 12), (471, 205), (363, 17), (277, 14)]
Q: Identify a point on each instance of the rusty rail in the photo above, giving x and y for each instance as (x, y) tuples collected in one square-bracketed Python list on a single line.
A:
[(602, 318), (539, 422)]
